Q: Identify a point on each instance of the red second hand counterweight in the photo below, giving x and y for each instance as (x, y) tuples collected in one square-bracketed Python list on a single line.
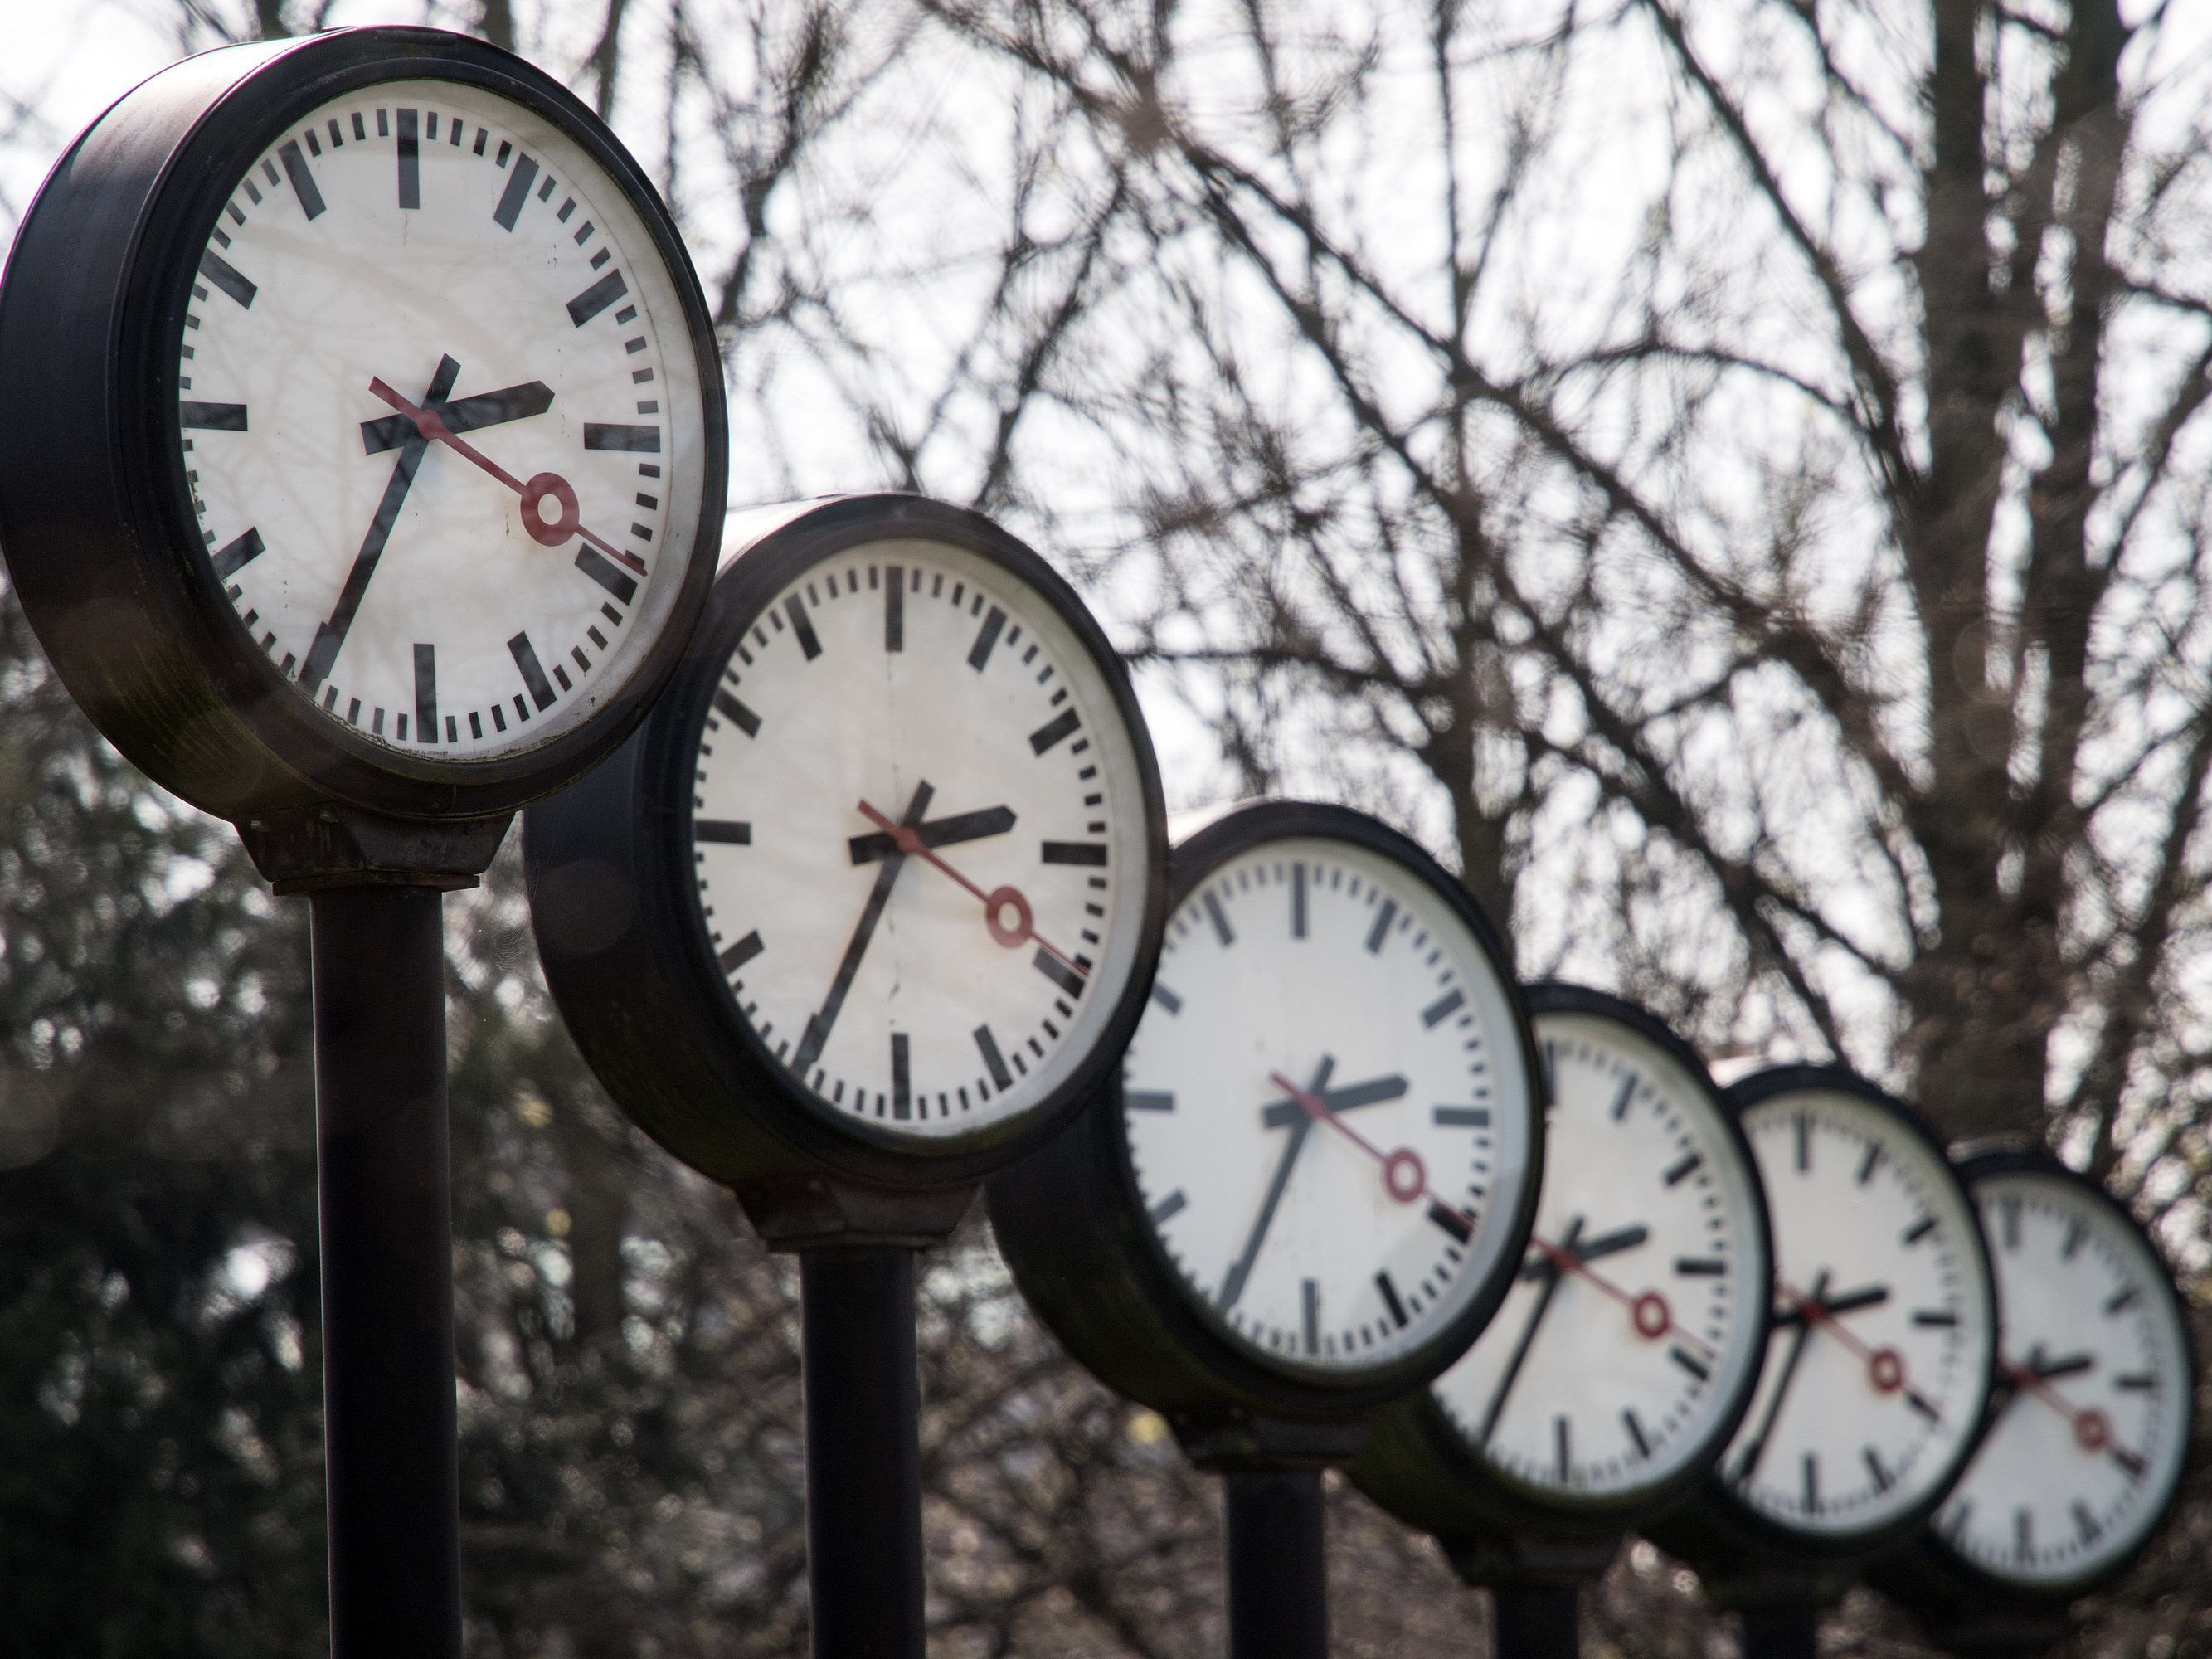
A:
[(1023, 931), (545, 486)]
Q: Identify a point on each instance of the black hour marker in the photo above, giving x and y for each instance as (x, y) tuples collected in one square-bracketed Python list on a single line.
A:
[(2136, 1383), (902, 1088), (1560, 1446), (2084, 1524), (994, 1063), (1166, 998), (1921, 1403), (212, 417), (1451, 1221), (741, 953), (894, 607), (425, 656), (1389, 1293), (1443, 1008), (1875, 1470), (597, 298), (1936, 1318), (513, 199), (730, 832), (1635, 1427), (2023, 1533), (1148, 1100), (2127, 1459), (1168, 1208), (229, 561), (1803, 1126), (2008, 1221), (533, 674), (1620, 1101), (1462, 1117), (410, 164), (1690, 1363), (1297, 901), (2077, 1230), (1309, 1295), (1381, 930), (303, 182), (1866, 1163), (1812, 1483), (1053, 730), (228, 277), (631, 439), (747, 722), (1057, 972), (2124, 1300), (606, 573), (1680, 1170), (803, 626), (1073, 852), (1918, 1230), (1221, 928), (1700, 1267), (980, 653)]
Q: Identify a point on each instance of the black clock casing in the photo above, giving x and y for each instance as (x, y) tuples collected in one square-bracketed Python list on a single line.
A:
[(1070, 1223), (95, 513), (1417, 1463), (628, 955)]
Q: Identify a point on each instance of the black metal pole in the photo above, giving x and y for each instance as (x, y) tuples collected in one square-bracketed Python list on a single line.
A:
[(1537, 1622), (384, 1163), (1278, 1567), (863, 1452), (1779, 1635)]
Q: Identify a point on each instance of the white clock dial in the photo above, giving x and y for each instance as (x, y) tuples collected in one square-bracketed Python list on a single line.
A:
[(1326, 1106), (441, 420), (1877, 1368), (1610, 1376), (2091, 1437), (911, 687)]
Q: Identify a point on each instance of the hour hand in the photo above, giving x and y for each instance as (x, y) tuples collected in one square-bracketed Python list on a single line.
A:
[(513, 403), (1371, 1093), (947, 831), (1592, 1250)]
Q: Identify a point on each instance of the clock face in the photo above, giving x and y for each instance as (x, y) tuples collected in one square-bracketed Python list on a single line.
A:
[(1877, 1367), (440, 418), (921, 839), (1327, 1108), (1624, 1347), (2089, 1440)]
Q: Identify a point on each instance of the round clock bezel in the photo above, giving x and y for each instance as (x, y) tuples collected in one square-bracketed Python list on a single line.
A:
[(1070, 1220), (1967, 1579), (166, 668), (1420, 1467), (1716, 1521), (637, 814)]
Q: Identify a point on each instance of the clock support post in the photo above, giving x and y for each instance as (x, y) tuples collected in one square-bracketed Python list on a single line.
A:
[(1276, 1561), (856, 1246), (1535, 1580), (1775, 1634), (374, 889)]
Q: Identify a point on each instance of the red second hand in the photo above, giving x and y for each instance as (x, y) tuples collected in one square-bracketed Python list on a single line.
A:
[(1885, 1366), (1023, 931), (2092, 1430), (543, 486)]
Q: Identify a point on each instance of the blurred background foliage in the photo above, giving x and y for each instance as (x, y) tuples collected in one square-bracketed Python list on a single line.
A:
[(1729, 478)]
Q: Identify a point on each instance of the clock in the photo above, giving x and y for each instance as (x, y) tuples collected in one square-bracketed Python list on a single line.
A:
[(1624, 1355), (1882, 1342), (878, 891), (1315, 1174), (2092, 1417), (364, 437)]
